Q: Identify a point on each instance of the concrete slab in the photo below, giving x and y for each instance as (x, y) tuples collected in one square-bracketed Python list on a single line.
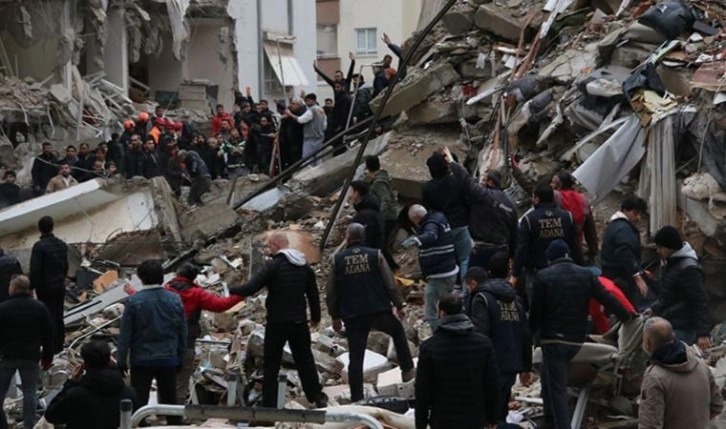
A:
[(433, 112), (373, 364), (571, 64), (417, 87), (206, 221), (498, 21)]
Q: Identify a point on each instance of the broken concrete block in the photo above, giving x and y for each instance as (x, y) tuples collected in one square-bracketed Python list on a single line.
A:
[(630, 56), (433, 112), (416, 88), (498, 21), (571, 64), (458, 23), (206, 221), (373, 364), (470, 71)]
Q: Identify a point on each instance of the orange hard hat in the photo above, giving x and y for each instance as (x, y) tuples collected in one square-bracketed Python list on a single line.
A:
[(129, 124), (143, 116)]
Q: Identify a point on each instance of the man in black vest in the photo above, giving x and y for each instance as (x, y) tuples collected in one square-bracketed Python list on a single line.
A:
[(360, 291), (497, 312), (537, 229)]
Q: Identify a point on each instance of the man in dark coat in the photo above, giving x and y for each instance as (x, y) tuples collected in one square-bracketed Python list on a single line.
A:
[(560, 302), (291, 134), (368, 213), (497, 312), (620, 254), (198, 174), (290, 282), (91, 400), (683, 300), (48, 274), (339, 119), (360, 291), (537, 229), (44, 169), (9, 190), (457, 383), (148, 162)]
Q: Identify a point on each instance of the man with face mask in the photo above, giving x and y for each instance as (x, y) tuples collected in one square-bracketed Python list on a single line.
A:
[(678, 388)]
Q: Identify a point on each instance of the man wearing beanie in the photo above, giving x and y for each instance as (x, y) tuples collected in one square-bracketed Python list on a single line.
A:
[(560, 301), (682, 300)]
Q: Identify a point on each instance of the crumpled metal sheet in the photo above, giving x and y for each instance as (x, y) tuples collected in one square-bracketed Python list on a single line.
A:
[(602, 171), (658, 176)]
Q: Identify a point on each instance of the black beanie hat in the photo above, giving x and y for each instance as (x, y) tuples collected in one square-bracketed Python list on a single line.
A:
[(438, 167), (669, 237)]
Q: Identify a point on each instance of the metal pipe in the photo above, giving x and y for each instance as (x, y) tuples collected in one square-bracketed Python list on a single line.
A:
[(379, 114), (127, 408), (281, 391), (260, 54), (203, 412)]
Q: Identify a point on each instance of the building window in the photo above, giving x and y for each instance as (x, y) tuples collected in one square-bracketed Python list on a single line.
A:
[(327, 41), (366, 41)]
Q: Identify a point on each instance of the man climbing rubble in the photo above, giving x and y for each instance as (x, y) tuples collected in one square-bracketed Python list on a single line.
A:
[(25, 328), (437, 257), (682, 299), (560, 301), (290, 282), (678, 388), (360, 291)]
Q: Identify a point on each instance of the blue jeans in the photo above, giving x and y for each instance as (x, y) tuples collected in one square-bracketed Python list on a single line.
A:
[(555, 363), (29, 370), (435, 289), (462, 246)]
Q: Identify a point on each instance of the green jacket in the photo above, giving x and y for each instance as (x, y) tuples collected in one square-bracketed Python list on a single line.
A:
[(380, 186)]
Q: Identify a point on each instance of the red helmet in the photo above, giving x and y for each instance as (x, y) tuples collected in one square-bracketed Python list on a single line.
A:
[(161, 122), (129, 124), (178, 126), (143, 117)]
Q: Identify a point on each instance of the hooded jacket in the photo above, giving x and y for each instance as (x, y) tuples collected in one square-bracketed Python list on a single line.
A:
[(289, 281), (446, 193), (457, 379), (368, 214), (678, 391), (92, 402), (436, 254), (497, 312), (683, 300), (195, 299), (380, 185)]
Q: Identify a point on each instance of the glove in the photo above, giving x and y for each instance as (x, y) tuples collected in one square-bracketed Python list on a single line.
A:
[(410, 242)]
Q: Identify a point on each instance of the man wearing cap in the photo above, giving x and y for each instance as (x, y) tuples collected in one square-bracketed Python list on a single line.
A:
[(560, 301), (682, 300), (493, 222)]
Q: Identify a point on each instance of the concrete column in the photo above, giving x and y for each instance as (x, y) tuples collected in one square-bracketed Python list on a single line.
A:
[(247, 35), (116, 56)]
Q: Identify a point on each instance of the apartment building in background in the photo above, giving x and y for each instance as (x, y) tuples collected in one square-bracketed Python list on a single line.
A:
[(357, 26)]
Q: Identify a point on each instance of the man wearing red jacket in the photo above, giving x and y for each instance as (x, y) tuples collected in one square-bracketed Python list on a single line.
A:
[(599, 319), (219, 118), (195, 299)]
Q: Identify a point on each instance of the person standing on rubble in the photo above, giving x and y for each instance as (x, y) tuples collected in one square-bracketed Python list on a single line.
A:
[(9, 268), (91, 396), (148, 162), (572, 200), (497, 312), (493, 221), (338, 77), (436, 257), (368, 213), (219, 117), (339, 120), (25, 329), (290, 282), (446, 193), (153, 333), (360, 291), (48, 276), (314, 124), (117, 152), (198, 174), (134, 153), (380, 186), (9, 190), (457, 385), (537, 230), (682, 300), (678, 390), (621, 251), (560, 301), (44, 168)]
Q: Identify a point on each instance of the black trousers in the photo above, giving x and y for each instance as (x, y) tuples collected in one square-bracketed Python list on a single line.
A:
[(298, 335), (53, 298), (357, 330), (200, 186), (141, 378), (389, 226), (555, 362)]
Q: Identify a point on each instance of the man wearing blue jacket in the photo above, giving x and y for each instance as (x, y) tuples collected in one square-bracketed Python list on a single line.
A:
[(437, 257)]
